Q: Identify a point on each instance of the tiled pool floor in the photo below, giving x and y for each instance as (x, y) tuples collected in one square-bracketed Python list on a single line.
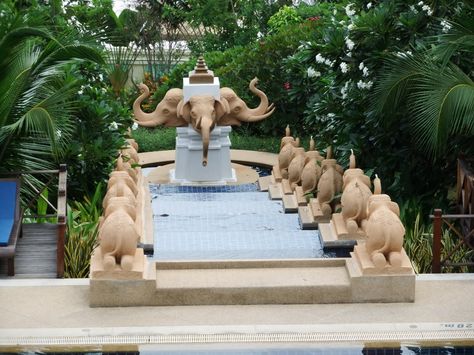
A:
[(226, 222)]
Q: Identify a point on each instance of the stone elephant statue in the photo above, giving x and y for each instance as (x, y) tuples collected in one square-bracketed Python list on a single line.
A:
[(202, 112), (356, 192), (329, 185), (118, 235), (295, 168), (120, 184), (312, 169), (384, 229)]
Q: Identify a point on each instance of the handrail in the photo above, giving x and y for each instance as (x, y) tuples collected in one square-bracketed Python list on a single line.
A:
[(61, 209), (438, 220)]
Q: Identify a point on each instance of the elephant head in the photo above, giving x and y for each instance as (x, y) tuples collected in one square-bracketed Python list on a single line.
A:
[(165, 112), (238, 110), (203, 113)]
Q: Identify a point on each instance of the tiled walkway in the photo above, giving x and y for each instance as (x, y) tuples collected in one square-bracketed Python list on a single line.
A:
[(226, 222)]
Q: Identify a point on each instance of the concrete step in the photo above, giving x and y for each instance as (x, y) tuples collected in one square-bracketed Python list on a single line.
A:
[(276, 282)]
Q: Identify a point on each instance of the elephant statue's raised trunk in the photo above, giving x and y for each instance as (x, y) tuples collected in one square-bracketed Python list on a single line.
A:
[(165, 112), (239, 111), (263, 110)]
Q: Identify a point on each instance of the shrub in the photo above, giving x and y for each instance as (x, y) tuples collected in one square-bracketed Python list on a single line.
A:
[(101, 124)]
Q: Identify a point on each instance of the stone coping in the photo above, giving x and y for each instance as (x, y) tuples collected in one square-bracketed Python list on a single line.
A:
[(57, 312), (248, 157)]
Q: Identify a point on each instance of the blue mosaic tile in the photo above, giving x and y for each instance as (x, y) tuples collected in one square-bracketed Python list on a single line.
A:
[(226, 222)]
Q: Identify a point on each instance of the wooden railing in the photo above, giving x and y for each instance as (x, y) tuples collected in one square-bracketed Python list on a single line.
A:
[(449, 220), (59, 215)]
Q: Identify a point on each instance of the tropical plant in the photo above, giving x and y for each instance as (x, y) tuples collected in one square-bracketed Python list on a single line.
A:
[(36, 99), (418, 244), (100, 125), (439, 97), (82, 231)]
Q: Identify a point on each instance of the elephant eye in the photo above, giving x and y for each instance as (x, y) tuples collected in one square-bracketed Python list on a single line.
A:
[(166, 111), (193, 113), (237, 109)]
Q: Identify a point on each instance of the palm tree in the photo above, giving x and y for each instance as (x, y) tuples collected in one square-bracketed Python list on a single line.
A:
[(438, 94), (36, 98)]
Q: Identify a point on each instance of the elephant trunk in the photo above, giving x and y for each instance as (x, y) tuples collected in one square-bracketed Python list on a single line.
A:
[(263, 110), (206, 126), (143, 118)]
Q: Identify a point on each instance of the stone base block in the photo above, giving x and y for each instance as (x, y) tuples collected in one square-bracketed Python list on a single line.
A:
[(290, 204), (300, 197), (97, 267), (339, 227), (367, 267), (306, 219), (285, 185), (388, 288), (264, 182), (275, 191), (276, 173)]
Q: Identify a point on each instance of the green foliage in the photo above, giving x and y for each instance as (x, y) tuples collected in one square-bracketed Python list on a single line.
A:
[(156, 139), (223, 24), (418, 244), (82, 232), (100, 127), (439, 97), (36, 97), (286, 16), (161, 138)]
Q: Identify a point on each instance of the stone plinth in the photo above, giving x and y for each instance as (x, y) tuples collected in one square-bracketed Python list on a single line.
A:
[(339, 226), (371, 284), (245, 282), (97, 267), (189, 168), (367, 267)]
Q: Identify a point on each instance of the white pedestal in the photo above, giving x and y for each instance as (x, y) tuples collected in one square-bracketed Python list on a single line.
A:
[(201, 89), (189, 169)]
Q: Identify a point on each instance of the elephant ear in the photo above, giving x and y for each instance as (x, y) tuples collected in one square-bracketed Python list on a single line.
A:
[(222, 108), (184, 111)]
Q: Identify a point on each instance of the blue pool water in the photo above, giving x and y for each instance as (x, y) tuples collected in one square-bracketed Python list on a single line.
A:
[(226, 222)]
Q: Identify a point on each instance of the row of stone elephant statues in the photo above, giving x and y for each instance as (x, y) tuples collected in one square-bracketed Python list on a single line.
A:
[(371, 214), (120, 227)]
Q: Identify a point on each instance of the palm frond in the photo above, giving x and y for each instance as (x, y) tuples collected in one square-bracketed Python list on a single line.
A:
[(458, 39), (17, 36), (442, 104), (16, 80), (395, 83)]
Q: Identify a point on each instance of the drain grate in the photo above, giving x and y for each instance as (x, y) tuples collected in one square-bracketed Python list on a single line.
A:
[(313, 337)]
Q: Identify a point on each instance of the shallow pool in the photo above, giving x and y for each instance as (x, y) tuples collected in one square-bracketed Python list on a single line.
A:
[(226, 222)]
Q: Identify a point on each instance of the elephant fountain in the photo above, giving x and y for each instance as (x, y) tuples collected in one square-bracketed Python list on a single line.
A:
[(203, 111)]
